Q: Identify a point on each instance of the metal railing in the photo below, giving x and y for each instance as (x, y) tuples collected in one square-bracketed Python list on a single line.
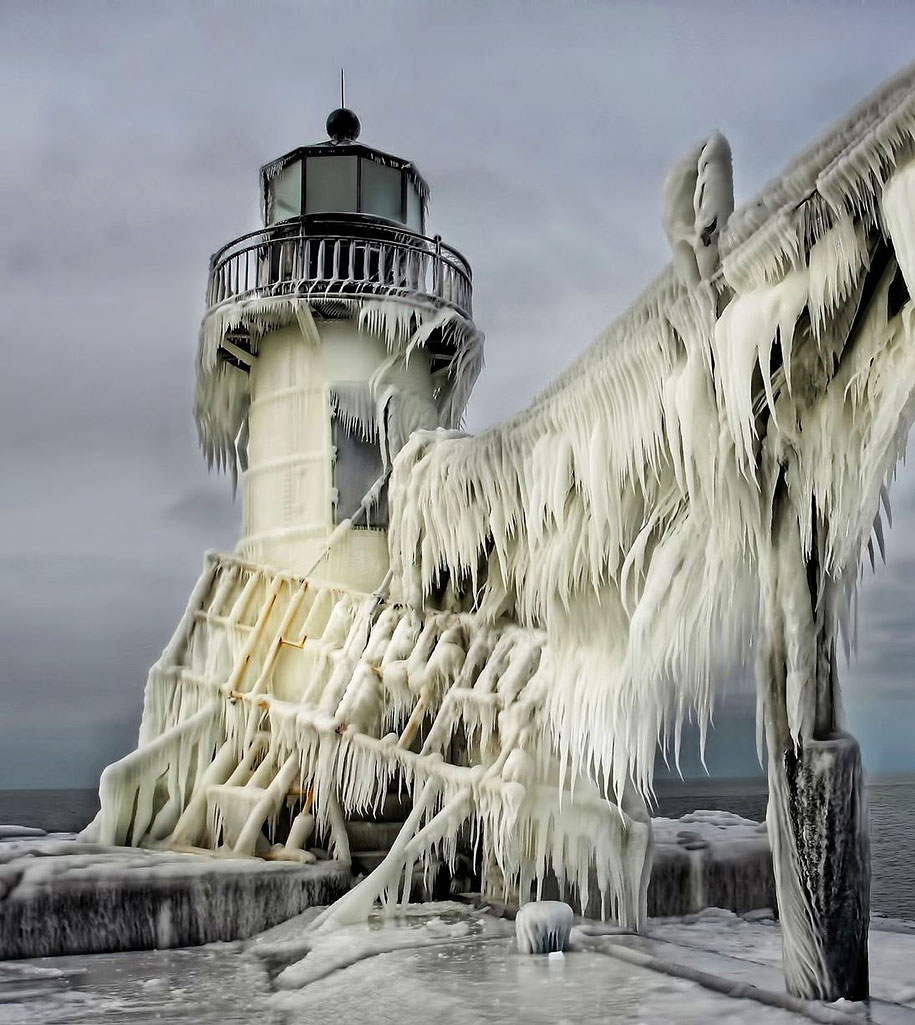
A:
[(340, 257)]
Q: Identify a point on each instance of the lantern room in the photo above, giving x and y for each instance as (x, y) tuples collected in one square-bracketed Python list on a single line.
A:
[(342, 176)]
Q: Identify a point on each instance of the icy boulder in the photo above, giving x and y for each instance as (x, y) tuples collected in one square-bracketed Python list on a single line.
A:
[(710, 859), (704, 859), (543, 926)]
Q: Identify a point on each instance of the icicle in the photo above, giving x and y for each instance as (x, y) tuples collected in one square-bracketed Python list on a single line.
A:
[(222, 393)]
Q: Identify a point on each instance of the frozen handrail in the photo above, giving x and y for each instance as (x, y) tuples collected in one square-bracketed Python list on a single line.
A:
[(325, 258)]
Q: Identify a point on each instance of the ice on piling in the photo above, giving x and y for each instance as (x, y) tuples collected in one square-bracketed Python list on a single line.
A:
[(543, 927)]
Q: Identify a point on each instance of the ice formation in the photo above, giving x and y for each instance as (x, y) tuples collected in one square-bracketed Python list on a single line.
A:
[(697, 488), (710, 859), (278, 699), (629, 510), (697, 200), (703, 480), (734, 960), (543, 927), (222, 395)]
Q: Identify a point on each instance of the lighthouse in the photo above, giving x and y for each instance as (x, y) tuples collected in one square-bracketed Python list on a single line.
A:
[(330, 334), (303, 710)]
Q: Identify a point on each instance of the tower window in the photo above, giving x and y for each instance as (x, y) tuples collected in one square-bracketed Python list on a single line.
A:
[(357, 466)]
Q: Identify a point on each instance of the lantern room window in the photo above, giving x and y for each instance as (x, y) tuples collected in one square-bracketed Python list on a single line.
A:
[(330, 185), (414, 208), (382, 191), (286, 193)]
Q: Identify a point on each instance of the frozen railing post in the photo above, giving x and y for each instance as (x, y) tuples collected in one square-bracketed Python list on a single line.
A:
[(829, 302)]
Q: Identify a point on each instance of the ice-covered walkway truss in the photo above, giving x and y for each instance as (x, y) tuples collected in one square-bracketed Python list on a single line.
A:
[(280, 708)]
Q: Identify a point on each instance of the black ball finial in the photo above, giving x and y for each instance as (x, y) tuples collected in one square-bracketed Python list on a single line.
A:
[(343, 125)]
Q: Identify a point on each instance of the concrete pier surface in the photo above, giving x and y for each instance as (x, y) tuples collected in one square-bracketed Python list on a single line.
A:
[(61, 896)]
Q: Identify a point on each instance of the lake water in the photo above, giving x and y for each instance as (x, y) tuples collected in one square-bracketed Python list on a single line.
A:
[(891, 800)]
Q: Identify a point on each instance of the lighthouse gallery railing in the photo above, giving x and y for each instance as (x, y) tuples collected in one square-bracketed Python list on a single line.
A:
[(336, 257)]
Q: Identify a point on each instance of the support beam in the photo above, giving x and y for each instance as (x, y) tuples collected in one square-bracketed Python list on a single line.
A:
[(237, 353)]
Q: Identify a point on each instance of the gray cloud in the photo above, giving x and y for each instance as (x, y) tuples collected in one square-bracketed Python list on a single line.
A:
[(132, 136)]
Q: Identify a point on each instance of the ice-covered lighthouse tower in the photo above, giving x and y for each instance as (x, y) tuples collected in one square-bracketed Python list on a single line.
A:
[(331, 334), (302, 708)]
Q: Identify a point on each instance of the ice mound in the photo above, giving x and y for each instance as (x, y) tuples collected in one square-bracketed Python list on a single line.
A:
[(543, 927)]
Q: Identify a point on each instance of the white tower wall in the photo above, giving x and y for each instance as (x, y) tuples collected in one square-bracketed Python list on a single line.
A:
[(288, 488)]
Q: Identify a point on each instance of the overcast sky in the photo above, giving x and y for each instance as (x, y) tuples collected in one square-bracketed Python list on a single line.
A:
[(131, 136)]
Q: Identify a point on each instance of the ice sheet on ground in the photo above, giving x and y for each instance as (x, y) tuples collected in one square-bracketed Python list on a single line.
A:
[(442, 962), (488, 982), (758, 939), (758, 942), (202, 985), (409, 968), (419, 925)]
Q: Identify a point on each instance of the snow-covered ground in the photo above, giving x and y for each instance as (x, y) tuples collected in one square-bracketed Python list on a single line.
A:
[(446, 963)]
